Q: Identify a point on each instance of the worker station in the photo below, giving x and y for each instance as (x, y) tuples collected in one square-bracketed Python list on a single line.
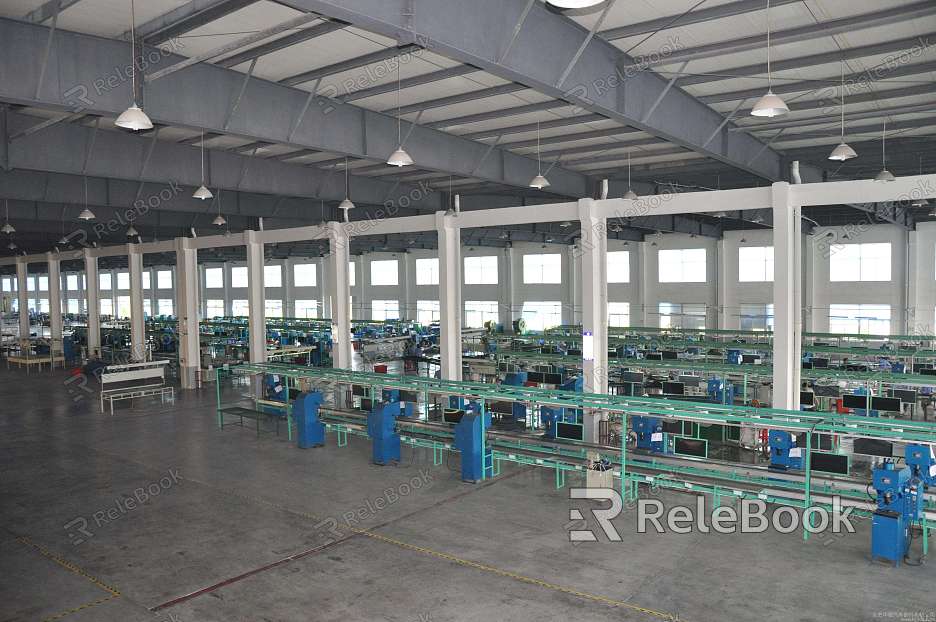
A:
[(351, 309)]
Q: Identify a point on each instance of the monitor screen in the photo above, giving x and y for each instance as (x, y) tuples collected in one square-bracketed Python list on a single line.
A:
[(750, 359), (885, 403), (408, 396), (452, 415), (928, 372), (827, 390), (674, 388), (367, 405), (690, 381), (904, 395), (654, 356), (672, 427), (552, 379), (821, 442), (873, 447), (574, 352), (855, 401), (807, 398), (358, 390), (691, 447), (820, 363), (502, 408), (535, 376), (632, 376), (571, 431), (828, 463), (669, 355), (807, 366)]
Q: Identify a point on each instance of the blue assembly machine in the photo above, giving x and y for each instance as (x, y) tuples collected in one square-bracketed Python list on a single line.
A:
[(900, 504), (784, 454), (381, 428), (310, 430), (469, 440)]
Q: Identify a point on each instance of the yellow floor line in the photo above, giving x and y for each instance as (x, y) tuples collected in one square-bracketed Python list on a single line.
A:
[(68, 612), (68, 566)]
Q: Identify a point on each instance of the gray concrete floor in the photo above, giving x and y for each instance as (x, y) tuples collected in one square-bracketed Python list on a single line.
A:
[(256, 526)]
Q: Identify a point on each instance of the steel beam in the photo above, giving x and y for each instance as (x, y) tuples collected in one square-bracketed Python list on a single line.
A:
[(199, 96), (406, 83), (470, 32), (497, 114), (347, 65), (186, 18), (883, 17), (549, 125), (306, 34), (48, 10), (429, 104)]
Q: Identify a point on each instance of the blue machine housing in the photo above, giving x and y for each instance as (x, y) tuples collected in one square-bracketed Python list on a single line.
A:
[(645, 429), (782, 455), (469, 440), (517, 379), (550, 415), (900, 503), (922, 462), (310, 430), (392, 397), (381, 427), (721, 391)]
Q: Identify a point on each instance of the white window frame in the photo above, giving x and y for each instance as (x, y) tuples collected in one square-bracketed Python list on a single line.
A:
[(755, 264), (542, 269), (427, 271), (619, 267), (682, 265), (480, 270), (385, 273)]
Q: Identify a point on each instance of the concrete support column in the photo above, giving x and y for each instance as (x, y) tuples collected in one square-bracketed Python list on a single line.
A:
[(408, 291), (507, 290), (644, 312), (137, 320), (22, 273), (187, 311), (92, 285), (594, 253), (256, 300), (567, 288), (450, 305), (289, 296), (787, 226), (723, 300), (575, 260), (339, 291), (55, 300), (321, 274)]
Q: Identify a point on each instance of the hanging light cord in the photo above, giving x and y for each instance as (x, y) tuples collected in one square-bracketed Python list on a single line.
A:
[(769, 80), (884, 145), (133, 51), (628, 170), (843, 100), (202, 141), (399, 123), (539, 162)]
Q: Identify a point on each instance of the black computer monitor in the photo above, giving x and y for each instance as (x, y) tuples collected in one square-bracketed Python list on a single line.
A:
[(807, 398), (654, 356), (690, 381), (367, 405), (501, 408), (820, 442), (749, 359), (890, 404), (673, 427), (570, 431), (828, 463), (827, 390), (452, 415), (691, 447), (632, 376), (820, 363), (928, 372), (873, 447), (408, 396), (854, 401), (574, 352), (674, 388), (535, 376), (358, 390), (904, 395), (555, 379), (807, 365), (669, 355)]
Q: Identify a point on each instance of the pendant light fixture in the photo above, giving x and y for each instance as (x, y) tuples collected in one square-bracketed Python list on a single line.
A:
[(884, 175), (843, 151), (769, 105), (574, 4), (86, 214), (346, 204), (11, 245), (539, 182), (219, 220), (132, 232), (7, 227), (921, 201), (203, 192), (133, 118), (399, 157), (630, 194)]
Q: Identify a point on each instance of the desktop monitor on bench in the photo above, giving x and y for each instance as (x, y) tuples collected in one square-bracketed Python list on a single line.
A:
[(654, 356), (674, 388), (570, 431), (669, 355), (452, 415), (807, 398)]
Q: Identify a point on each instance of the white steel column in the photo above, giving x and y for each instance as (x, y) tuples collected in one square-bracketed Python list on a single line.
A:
[(339, 291), (187, 311), (137, 320), (787, 298), (289, 295), (92, 295), (644, 312), (256, 299), (450, 306), (723, 299), (55, 301), (594, 252), (22, 273)]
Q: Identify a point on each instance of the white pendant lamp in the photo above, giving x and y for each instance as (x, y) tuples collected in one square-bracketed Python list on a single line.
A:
[(346, 204), (86, 214), (843, 151), (219, 220), (630, 194), (133, 118), (7, 227), (574, 4), (203, 192), (539, 182), (399, 157), (920, 202), (769, 105), (884, 175), (132, 232)]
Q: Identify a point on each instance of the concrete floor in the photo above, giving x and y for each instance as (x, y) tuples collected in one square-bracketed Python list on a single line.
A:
[(246, 528)]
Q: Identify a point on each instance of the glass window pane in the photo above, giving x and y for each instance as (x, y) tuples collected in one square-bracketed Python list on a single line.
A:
[(304, 274), (239, 276), (164, 281), (619, 314), (307, 308), (164, 307), (384, 272), (477, 312), (214, 278), (273, 308), (214, 307), (618, 267), (542, 268), (481, 270), (427, 271), (273, 276), (239, 308), (427, 311), (123, 280), (385, 310)]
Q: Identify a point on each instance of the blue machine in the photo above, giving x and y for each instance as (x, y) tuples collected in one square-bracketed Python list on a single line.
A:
[(900, 503), (381, 427), (310, 430), (517, 379), (922, 462), (392, 397), (649, 432), (274, 391), (784, 454), (469, 440), (734, 357), (721, 391), (550, 415)]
